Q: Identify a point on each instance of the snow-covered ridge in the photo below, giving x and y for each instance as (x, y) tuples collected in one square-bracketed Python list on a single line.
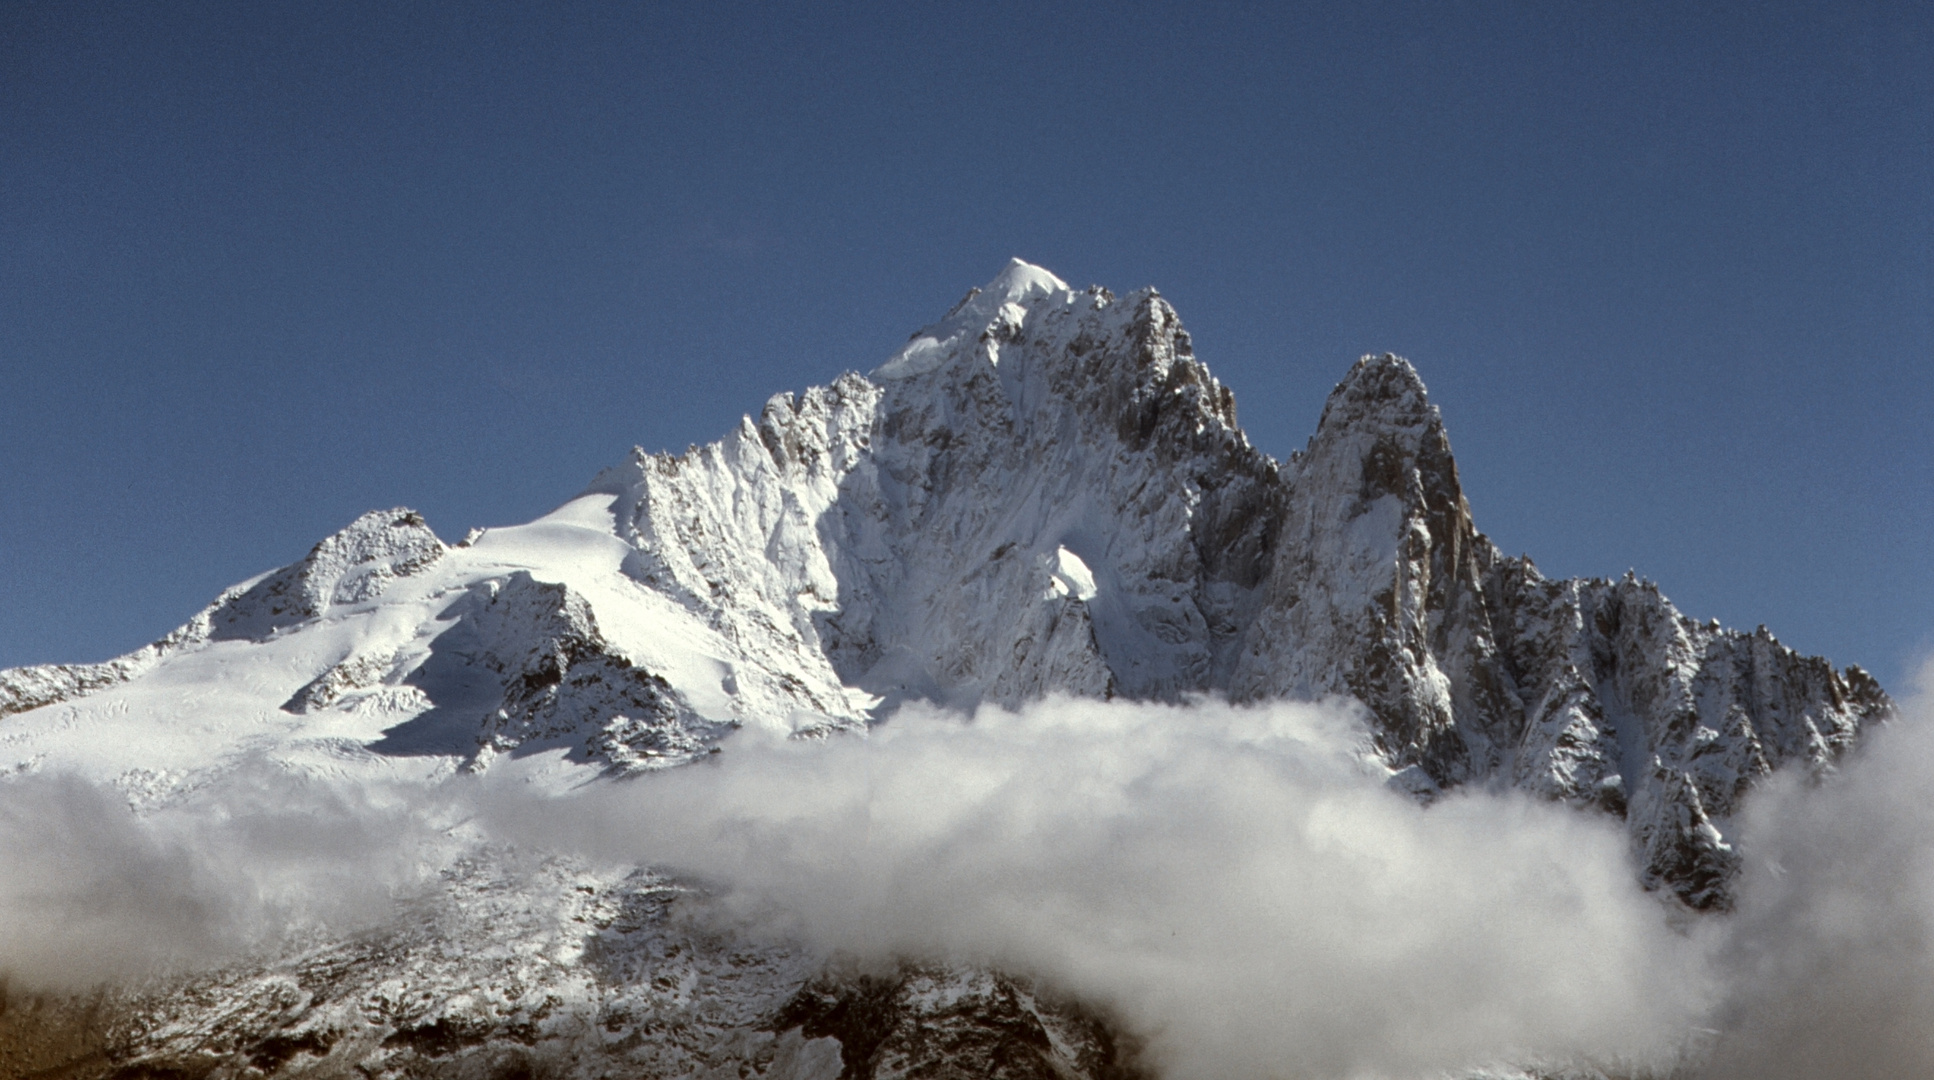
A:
[(354, 564)]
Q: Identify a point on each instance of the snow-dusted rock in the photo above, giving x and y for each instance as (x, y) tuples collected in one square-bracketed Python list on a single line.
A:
[(910, 534), (354, 566), (38, 685), (916, 534), (537, 648)]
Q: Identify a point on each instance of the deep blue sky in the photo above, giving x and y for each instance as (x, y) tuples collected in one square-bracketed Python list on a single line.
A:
[(1668, 269)]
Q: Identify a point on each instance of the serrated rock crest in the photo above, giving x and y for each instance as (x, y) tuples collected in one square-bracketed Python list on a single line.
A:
[(897, 533)]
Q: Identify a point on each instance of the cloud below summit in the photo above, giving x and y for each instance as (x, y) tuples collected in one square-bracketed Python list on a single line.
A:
[(1237, 886), (92, 893), (1829, 961)]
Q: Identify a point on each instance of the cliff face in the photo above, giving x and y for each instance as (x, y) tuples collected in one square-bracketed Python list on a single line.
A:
[(1480, 670), (906, 535), (1045, 492)]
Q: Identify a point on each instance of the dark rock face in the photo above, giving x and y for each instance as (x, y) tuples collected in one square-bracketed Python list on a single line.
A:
[(1353, 568), (919, 1022), (1667, 722), (935, 491)]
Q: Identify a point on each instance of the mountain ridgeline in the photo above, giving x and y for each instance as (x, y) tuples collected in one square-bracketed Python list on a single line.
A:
[(906, 534), (1047, 492), (1044, 493)]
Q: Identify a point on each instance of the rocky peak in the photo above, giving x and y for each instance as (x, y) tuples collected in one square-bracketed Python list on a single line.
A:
[(910, 528), (1379, 437), (1379, 388), (1045, 492), (350, 567)]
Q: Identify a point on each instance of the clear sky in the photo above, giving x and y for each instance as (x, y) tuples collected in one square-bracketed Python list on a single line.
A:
[(1667, 268)]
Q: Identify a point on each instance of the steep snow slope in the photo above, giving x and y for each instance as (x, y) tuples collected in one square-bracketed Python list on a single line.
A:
[(918, 533), (384, 651), (1045, 491)]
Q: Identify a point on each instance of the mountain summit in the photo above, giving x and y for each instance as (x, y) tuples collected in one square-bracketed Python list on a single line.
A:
[(902, 536), (918, 533), (1045, 492)]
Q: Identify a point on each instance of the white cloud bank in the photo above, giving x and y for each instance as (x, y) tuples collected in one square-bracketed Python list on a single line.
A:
[(89, 892), (1234, 884), (1231, 883), (1829, 960)]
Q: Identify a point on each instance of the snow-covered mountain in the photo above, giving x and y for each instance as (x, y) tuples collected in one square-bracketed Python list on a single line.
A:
[(1044, 492)]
